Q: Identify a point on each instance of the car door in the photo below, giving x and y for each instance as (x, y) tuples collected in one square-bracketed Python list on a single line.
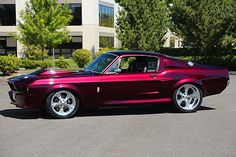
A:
[(131, 86)]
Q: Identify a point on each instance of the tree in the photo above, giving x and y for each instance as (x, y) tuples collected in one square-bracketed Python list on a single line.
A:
[(43, 24), (142, 24), (208, 26)]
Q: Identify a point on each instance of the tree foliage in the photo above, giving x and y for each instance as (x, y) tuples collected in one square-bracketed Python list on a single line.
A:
[(43, 24), (205, 25), (142, 24), (33, 53)]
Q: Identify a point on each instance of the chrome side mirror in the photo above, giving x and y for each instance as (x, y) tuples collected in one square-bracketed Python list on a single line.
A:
[(189, 63), (117, 71)]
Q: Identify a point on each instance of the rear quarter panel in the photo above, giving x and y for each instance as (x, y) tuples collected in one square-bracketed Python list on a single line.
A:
[(211, 81)]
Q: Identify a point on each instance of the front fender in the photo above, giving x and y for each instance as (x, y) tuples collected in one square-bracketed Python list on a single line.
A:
[(63, 86)]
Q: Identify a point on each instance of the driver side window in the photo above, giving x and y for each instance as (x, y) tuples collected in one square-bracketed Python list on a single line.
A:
[(135, 64)]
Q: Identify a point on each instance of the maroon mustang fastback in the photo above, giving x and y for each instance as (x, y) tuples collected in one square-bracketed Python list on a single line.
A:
[(119, 78)]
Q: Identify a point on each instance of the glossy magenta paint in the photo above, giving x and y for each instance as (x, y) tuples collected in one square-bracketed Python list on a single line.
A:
[(118, 89)]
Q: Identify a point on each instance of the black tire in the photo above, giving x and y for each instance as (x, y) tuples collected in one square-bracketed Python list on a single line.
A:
[(52, 111), (182, 107)]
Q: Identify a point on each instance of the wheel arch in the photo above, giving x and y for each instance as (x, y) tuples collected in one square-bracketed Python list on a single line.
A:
[(58, 87), (195, 82)]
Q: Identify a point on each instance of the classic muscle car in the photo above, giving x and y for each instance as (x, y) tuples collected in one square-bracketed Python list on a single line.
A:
[(119, 78)]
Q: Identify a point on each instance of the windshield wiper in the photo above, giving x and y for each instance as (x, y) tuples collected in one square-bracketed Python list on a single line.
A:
[(89, 69)]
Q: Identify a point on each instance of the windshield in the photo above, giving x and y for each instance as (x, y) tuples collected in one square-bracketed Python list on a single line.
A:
[(100, 63)]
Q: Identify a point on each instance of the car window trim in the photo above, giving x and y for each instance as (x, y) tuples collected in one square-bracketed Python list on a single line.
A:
[(119, 57), (105, 69), (118, 60)]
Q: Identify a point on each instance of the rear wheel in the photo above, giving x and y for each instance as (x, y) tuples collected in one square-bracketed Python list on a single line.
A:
[(187, 98), (62, 104)]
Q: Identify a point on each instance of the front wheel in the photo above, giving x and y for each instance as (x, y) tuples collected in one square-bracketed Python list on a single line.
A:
[(62, 104), (187, 98)]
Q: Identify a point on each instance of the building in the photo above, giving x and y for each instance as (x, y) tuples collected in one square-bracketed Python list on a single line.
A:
[(172, 40), (92, 26)]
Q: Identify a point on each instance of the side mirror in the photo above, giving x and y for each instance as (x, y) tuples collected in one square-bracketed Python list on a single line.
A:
[(190, 64), (117, 71)]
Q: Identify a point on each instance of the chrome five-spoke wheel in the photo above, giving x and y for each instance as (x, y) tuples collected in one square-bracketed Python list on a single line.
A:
[(187, 98), (62, 104)]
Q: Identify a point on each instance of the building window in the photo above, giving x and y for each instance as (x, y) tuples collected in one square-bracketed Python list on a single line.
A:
[(7, 15), (106, 16), (172, 42), (106, 41), (77, 14), (179, 44), (7, 46), (67, 49)]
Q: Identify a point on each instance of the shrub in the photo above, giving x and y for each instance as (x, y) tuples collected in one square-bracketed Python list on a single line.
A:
[(228, 61), (33, 64), (81, 57), (61, 63), (9, 64), (44, 64), (193, 52), (34, 53), (29, 64), (103, 50), (220, 58)]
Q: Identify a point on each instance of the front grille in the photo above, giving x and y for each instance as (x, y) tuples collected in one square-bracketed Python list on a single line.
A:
[(17, 88)]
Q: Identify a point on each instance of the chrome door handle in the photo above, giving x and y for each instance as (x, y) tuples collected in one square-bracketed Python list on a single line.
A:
[(153, 75)]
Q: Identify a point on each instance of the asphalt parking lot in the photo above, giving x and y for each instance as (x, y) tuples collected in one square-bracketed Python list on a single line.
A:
[(135, 132)]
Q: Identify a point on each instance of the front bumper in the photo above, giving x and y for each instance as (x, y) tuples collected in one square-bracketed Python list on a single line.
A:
[(12, 97), (25, 100)]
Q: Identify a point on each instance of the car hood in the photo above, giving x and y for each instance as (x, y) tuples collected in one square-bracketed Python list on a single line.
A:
[(59, 73), (47, 73)]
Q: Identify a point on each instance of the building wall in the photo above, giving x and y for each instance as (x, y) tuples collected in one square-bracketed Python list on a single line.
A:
[(171, 40), (7, 1), (89, 30)]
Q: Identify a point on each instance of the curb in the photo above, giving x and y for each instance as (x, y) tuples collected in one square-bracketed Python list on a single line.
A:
[(232, 72)]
